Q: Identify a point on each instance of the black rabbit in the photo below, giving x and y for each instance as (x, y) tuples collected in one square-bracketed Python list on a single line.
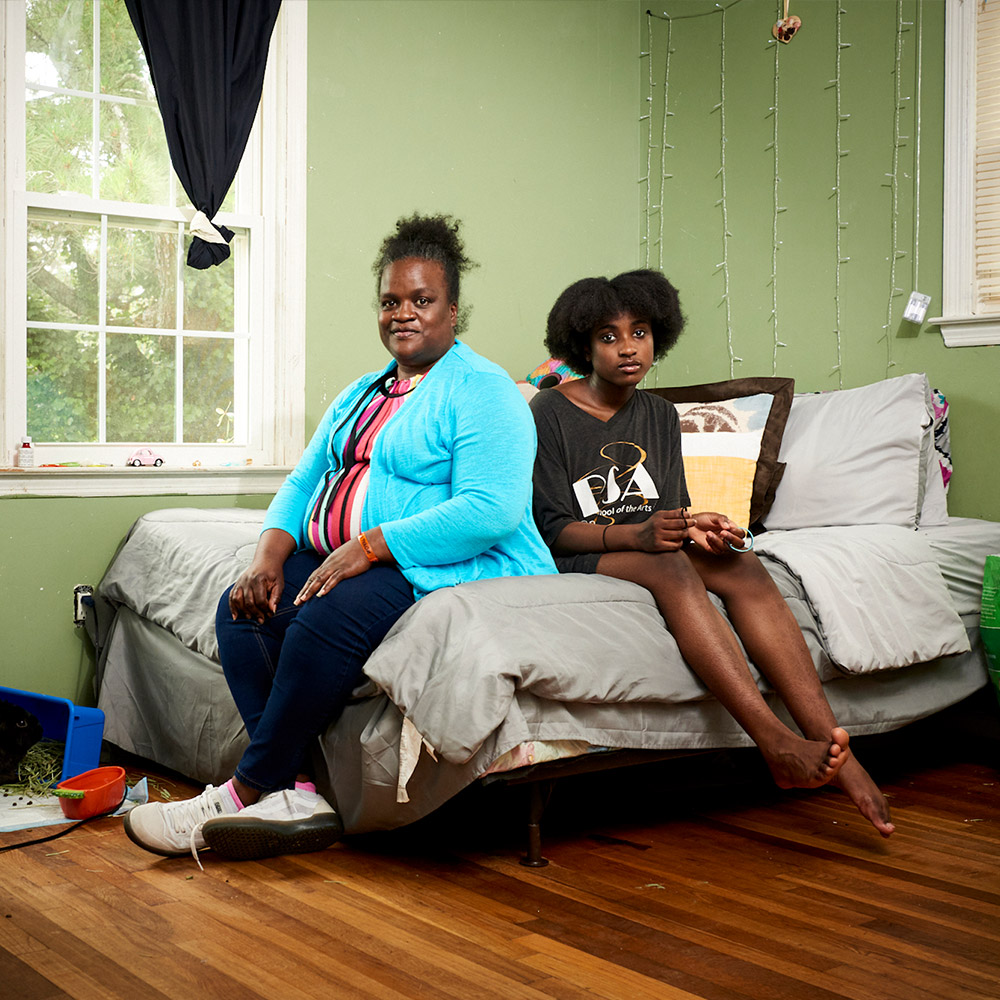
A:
[(19, 732)]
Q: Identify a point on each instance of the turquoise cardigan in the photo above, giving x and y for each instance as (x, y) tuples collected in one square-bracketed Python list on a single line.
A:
[(450, 478)]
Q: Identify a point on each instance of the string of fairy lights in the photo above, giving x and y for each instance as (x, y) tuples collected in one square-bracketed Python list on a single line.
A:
[(776, 210), (723, 202), (657, 189), (895, 253), (648, 117), (898, 141), (916, 130), (838, 368), (664, 145)]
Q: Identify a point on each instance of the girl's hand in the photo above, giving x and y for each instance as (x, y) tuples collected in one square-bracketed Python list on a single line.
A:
[(663, 531), (715, 533)]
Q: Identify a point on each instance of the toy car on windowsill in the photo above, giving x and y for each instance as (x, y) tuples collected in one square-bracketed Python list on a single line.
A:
[(144, 456)]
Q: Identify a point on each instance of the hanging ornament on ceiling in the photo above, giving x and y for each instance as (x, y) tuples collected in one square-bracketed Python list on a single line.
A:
[(785, 29)]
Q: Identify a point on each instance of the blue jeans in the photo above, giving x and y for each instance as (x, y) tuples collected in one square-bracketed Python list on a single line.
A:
[(292, 676)]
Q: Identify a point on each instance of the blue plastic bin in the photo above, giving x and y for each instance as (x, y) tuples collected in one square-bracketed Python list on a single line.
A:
[(82, 729)]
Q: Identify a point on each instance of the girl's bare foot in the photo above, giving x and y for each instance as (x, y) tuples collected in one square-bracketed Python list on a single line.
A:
[(801, 763), (853, 779)]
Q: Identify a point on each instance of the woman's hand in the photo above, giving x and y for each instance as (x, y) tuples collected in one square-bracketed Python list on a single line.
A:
[(345, 561), (256, 593), (715, 533), (663, 531)]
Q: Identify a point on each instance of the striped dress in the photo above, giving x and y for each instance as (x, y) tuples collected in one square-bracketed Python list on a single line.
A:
[(336, 515)]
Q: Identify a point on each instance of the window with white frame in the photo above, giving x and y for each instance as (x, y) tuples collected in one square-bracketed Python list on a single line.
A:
[(111, 342), (971, 267)]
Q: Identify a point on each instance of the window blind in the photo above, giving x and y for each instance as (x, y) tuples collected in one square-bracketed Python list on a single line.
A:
[(987, 198)]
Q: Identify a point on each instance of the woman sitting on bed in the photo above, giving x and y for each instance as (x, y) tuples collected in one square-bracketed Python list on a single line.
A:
[(418, 477), (610, 497)]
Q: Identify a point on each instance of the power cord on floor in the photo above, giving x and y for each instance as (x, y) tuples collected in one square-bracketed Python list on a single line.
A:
[(61, 833)]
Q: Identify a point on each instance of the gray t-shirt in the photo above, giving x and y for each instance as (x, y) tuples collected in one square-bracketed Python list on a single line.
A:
[(614, 472)]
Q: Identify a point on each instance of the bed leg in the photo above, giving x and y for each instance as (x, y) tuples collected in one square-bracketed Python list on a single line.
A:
[(540, 792)]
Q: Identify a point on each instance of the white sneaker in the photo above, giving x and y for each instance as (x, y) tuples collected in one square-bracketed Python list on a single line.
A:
[(292, 821), (173, 828)]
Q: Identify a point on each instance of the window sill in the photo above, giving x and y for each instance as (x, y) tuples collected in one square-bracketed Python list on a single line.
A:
[(968, 331), (121, 482)]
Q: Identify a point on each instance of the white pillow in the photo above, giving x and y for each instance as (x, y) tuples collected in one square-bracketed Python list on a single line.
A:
[(856, 456)]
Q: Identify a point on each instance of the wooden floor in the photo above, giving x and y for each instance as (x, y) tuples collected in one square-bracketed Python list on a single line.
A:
[(693, 879)]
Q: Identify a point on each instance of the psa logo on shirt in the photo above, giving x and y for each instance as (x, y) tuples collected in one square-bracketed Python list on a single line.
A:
[(618, 485)]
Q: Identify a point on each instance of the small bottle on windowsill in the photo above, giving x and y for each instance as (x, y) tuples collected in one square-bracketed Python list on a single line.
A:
[(26, 454)]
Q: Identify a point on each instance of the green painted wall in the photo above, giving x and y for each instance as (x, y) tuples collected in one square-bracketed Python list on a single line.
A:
[(516, 117), (521, 119), (807, 290), (47, 547)]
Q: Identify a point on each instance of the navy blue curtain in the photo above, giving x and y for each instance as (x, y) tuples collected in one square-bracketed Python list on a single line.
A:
[(206, 59)]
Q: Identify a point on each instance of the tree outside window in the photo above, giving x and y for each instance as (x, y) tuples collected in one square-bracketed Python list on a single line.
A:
[(124, 344)]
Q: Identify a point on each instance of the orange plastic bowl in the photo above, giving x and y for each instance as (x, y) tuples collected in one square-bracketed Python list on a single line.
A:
[(103, 790)]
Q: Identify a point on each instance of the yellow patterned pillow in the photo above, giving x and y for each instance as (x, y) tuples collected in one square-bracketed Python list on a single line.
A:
[(721, 484), (730, 436)]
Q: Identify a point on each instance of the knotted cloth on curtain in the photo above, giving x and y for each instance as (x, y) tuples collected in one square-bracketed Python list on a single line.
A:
[(206, 59)]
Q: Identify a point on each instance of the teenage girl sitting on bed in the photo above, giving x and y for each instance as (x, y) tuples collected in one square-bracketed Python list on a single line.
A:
[(610, 497)]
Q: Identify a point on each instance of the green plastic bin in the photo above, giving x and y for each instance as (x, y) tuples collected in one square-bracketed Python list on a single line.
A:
[(989, 621)]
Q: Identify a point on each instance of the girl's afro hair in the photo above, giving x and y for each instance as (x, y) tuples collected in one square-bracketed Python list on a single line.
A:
[(428, 237), (592, 302)]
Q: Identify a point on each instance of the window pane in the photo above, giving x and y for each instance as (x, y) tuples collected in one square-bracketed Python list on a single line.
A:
[(124, 71), (57, 143), (208, 295), (183, 201), (142, 277), (140, 388), (208, 390), (62, 385), (63, 280), (135, 165), (59, 44)]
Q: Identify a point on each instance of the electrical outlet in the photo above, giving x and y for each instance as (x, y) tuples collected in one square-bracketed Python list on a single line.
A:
[(83, 595)]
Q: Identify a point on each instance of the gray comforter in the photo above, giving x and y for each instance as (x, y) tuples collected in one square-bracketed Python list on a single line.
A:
[(479, 669)]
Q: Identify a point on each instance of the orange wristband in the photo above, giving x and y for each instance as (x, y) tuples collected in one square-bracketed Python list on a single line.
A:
[(367, 546)]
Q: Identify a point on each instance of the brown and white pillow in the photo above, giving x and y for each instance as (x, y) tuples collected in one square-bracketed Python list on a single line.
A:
[(730, 436)]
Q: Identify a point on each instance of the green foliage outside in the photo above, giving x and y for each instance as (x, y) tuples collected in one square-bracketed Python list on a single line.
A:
[(122, 157)]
